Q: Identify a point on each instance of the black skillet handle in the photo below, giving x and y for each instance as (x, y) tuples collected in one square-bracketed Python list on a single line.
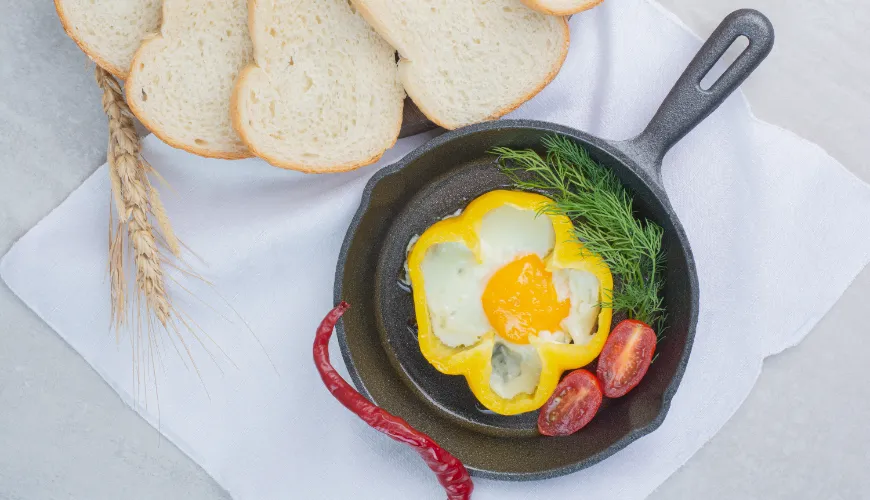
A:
[(688, 104)]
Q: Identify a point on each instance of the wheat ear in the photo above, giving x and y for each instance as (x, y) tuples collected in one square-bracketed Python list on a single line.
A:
[(135, 202)]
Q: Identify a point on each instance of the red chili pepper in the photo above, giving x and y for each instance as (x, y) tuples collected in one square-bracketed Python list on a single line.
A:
[(450, 472)]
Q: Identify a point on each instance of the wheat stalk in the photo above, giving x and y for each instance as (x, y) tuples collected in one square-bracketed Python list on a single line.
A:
[(143, 223), (137, 204)]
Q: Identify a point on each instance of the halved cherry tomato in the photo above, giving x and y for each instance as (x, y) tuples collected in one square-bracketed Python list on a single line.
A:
[(626, 357), (573, 404)]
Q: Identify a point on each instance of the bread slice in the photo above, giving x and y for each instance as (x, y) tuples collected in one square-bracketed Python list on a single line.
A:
[(561, 7), (109, 31), (470, 61), (181, 81), (323, 94)]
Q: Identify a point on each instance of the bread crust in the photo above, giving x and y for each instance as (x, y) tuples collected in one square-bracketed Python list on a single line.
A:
[(539, 6), (239, 126), (362, 8), (87, 49), (160, 133)]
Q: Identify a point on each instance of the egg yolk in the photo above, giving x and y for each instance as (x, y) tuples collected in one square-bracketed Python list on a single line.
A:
[(520, 300)]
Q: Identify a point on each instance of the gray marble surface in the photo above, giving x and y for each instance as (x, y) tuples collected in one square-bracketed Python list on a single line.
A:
[(64, 434)]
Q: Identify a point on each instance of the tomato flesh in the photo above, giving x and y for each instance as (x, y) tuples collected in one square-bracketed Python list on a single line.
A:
[(575, 401), (626, 357)]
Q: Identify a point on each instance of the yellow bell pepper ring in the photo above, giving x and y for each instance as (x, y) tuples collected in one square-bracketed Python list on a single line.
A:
[(474, 362)]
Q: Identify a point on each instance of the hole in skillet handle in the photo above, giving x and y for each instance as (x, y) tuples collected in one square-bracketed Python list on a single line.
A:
[(734, 51)]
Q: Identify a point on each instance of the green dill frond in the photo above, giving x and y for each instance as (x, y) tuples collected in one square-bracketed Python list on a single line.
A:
[(602, 210)]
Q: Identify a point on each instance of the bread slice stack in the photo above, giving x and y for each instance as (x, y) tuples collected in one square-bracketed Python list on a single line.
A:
[(470, 61), (323, 93), (110, 31), (313, 85), (561, 7)]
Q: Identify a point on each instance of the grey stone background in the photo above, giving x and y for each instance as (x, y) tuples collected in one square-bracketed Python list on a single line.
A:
[(64, 434)]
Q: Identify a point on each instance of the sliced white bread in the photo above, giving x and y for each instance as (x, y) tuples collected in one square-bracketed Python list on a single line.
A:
[(181, 81), (323, 94), (561, 7), (470, 61), (109, 31)]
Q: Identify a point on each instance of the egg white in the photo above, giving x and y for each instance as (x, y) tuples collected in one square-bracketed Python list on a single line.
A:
[(454, 283), (507, 233), (582, 288), (516, 369)]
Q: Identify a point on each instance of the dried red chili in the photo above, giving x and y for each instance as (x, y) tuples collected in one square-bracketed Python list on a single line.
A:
[(448, 469)]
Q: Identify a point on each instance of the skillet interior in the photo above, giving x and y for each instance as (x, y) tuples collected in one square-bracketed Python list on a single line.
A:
[(379, 345)]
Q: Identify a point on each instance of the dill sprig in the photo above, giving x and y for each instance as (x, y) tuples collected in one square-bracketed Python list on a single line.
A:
[(604, 220)]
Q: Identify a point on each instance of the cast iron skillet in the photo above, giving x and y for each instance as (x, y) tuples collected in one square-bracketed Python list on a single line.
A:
[(377, 335)]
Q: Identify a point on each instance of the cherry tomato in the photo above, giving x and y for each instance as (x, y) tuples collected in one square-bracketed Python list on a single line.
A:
[(573, 404), (626, 357)]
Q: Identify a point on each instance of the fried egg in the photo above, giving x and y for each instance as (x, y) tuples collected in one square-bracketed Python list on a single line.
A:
[(498, 272)]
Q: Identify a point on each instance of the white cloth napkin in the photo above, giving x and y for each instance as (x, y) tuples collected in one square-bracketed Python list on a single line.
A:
[(776, 225)]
